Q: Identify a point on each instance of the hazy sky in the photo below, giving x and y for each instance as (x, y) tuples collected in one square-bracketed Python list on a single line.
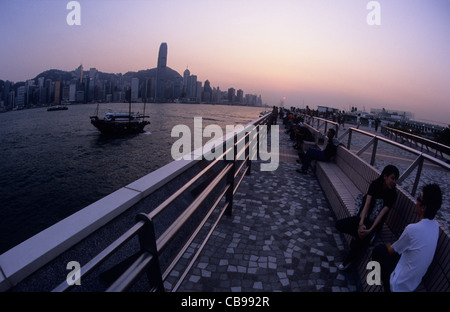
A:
[(316, 52)]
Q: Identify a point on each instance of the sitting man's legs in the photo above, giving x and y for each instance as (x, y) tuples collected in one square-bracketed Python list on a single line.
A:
[(387, 264), (312, 154)]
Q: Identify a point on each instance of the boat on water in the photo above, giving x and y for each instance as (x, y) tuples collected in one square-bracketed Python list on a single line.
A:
[(57, 108), (118, 123), (115, 123)]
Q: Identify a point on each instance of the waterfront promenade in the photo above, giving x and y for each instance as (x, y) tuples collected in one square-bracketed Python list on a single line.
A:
[(280, 237)]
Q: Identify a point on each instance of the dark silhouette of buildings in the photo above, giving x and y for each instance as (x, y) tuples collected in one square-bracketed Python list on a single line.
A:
[(159, 84)]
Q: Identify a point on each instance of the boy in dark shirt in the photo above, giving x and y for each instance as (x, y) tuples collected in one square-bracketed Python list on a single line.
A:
[(380, 198)]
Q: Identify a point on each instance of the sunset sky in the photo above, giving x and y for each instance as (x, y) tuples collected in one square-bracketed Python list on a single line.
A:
[(313, 52)]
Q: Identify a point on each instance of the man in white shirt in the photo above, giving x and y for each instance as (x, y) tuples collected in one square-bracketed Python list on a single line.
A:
[(405, 262)]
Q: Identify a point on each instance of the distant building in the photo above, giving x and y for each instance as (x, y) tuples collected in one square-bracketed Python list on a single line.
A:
[(20, 98), (251, 99), (134, 89), (57, 92), (79, 73), (168, 81), (391, 114), (192, 87), (207, 92), (186, 75), (240, 96), (7, 90), (93, 73), (231, 95)]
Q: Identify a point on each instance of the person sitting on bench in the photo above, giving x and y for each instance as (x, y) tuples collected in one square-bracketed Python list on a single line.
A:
[(404, 263), (371, 213), (317, 154)]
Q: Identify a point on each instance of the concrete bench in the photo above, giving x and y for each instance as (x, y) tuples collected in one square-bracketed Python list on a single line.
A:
[(348, 176)]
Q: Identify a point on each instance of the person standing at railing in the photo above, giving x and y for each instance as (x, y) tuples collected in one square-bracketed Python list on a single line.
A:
[(358, 121), (404, 263), (308, 111), (370, 216), (377, 122)]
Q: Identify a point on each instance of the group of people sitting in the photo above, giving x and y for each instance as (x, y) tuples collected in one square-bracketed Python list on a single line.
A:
[(403, 263)]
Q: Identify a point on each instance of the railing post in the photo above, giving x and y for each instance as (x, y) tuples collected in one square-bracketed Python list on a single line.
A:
[(257, 141), (248, 150), (349, 142), (374, 151), (230, 179), (147, 241), (419, 172)]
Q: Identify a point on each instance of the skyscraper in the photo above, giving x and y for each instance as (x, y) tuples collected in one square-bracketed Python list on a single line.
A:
[(168, 82), (186, 75), (162, 56)]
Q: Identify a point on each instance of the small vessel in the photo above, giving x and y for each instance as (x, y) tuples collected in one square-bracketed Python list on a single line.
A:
[(117, 123), (57, 107), (120, 123)]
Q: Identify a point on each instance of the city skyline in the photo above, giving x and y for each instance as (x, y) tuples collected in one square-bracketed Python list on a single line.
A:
[(310, 52), (160, 84)]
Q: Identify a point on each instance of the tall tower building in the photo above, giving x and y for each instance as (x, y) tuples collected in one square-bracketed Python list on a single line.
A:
[(79, 73), (166, 83), (162, 56), (186, 75)]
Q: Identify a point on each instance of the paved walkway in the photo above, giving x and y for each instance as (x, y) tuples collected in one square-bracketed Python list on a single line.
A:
[(281, 237)]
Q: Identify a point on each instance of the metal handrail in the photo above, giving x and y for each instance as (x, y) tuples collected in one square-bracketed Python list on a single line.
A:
[(438, 147), (418, 162), (310, 120), (147, 261)]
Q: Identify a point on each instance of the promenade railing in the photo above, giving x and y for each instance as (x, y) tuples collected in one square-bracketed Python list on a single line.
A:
[(425, 145), (418, 162), (321, 124), (223, 186)]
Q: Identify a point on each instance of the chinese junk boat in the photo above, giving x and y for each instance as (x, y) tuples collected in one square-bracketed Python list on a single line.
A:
[(115, 123), (120, 123)]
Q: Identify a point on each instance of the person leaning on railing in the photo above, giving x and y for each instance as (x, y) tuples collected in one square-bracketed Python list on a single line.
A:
[(404, 263)]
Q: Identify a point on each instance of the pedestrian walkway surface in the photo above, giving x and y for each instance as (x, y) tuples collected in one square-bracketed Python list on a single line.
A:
[(280, 237)]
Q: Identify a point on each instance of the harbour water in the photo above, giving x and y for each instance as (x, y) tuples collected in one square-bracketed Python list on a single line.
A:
[(54, 163)]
